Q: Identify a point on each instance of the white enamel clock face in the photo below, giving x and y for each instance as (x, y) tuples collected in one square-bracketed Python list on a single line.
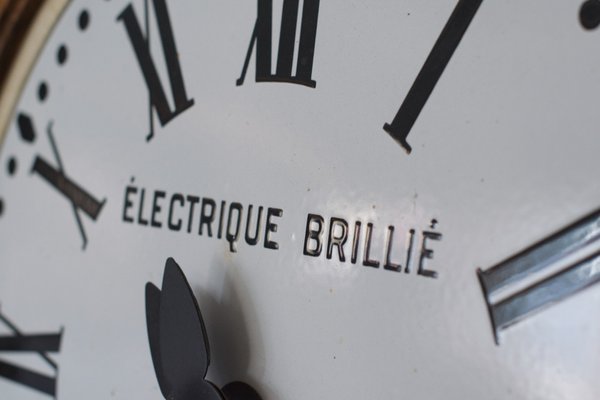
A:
[(391, 200)]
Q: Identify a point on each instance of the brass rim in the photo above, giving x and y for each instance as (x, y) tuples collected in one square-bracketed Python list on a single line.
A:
[(15, 20), (24, 27)]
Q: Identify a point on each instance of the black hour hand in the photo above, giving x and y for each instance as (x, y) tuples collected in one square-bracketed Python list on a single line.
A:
[(179, 343), (178, 340)]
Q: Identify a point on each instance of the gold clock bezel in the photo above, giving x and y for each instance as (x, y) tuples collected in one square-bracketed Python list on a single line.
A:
[(26, 25)]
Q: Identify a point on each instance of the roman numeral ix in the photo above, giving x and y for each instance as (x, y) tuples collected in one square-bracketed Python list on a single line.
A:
[(581, 274), (262, 39), (140, 42), (42, 344)]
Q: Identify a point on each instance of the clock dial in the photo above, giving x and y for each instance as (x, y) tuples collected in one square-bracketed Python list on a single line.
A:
[(390, 201)]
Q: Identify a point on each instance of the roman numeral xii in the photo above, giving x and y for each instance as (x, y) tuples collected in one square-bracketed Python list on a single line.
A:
[(262, 39)]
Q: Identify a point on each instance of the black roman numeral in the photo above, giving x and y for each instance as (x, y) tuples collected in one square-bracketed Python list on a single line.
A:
[(140, 43), (262, 38), (80, 199), (30, 343), (431, 72), (509, 308)]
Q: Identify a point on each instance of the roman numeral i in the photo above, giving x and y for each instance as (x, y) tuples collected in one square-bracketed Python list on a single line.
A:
[(262, 38), (140, 43), (42, 344), (431, 72)]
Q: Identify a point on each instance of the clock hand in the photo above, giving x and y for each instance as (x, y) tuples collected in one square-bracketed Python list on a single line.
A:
[(152, 324), (178, 339), (240, 391), (179, 343), (80, 199)]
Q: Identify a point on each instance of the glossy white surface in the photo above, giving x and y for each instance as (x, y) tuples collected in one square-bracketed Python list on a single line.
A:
[(505, 153)]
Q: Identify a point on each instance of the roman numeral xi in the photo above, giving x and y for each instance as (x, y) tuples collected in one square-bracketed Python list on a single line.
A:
[(25, 343), (140, 42)]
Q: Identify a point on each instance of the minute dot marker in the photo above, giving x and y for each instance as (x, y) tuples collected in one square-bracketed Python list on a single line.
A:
[(589, 14), (61, 54), (26, 129), (84, 20), (42, 91), (11, 166)]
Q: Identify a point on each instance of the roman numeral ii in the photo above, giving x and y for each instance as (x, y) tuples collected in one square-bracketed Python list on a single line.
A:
[(40, 344), (262, 38), (140, 43)]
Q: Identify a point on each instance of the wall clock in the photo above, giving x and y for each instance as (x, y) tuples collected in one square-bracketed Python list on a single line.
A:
[(284, 199)]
